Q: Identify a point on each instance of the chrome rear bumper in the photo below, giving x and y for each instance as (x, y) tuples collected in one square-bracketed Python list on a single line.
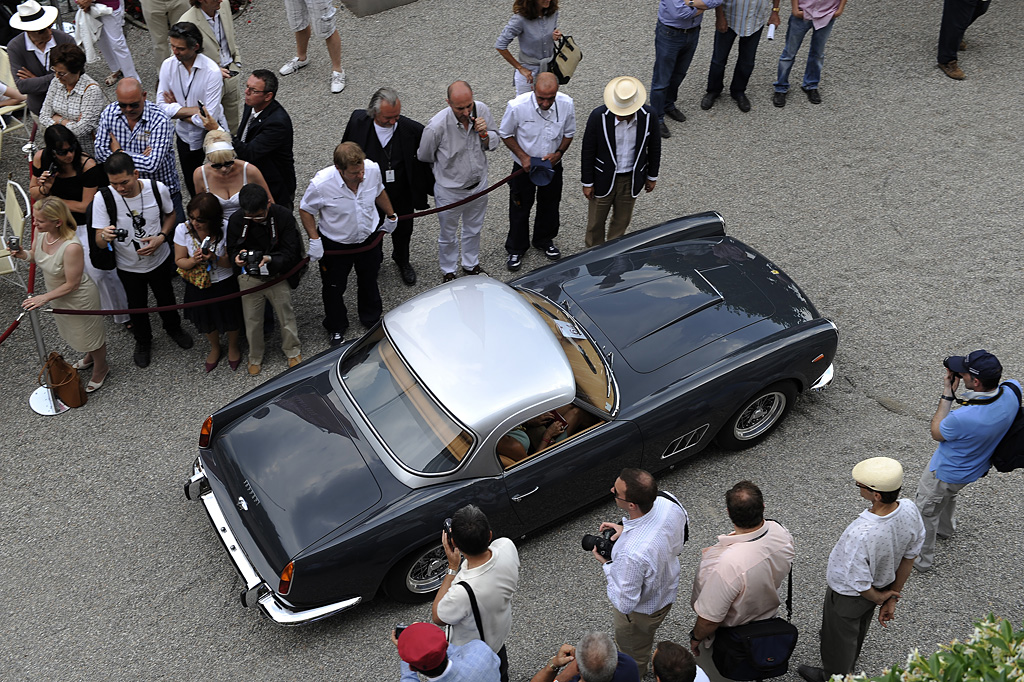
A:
[(257, 592)]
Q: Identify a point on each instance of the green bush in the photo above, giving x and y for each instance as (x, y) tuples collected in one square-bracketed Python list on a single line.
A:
[(993, 653)]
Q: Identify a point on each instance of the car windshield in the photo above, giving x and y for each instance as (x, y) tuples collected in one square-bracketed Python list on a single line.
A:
[(421, 436), (594, 384)]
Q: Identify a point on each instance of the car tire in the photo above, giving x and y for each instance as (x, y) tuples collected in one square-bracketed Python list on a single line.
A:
[(758, 417), (416, 578)]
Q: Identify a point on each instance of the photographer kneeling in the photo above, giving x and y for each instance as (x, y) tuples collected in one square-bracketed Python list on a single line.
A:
[(264, 243)]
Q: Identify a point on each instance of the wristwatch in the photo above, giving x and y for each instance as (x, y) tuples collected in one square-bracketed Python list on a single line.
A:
[(453, 571)]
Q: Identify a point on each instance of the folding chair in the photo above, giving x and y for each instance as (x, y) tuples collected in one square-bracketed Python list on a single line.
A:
[(13, 225), (13, 118)]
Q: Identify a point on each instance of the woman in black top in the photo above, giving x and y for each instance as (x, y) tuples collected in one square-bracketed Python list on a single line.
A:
[(61, 169)]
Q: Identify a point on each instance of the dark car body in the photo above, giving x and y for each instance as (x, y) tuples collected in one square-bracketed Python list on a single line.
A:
[(692, 334)]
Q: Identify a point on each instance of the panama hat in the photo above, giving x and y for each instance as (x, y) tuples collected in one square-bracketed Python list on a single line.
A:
[(624, 95), (32, 16)]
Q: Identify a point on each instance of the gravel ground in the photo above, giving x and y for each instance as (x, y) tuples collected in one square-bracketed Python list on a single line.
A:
[(894, 204)]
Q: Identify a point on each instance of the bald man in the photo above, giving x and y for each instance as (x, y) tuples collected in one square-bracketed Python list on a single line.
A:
[(142, 130), (537, 126)]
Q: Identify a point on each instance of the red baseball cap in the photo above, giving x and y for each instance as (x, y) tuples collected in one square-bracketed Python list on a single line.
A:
[(422, 646)]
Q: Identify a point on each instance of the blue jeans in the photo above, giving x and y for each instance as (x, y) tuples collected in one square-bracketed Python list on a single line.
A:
[(744, 62), (795, 33), (673, 52)]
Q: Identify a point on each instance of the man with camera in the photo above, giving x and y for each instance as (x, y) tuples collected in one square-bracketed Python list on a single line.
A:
[(868, 567), (483, 573), (594, 659), (738, 579), (264, 243), (966, 436), (643, 569), (139, 227)]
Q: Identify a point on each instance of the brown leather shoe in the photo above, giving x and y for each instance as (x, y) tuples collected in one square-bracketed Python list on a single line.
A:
[(953, 71), (254, 369), (294, 361)]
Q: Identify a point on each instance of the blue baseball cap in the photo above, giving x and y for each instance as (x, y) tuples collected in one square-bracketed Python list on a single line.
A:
[(979, 363), (541, 171)]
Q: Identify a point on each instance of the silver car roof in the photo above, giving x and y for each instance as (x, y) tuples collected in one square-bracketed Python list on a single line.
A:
[(483, 351)]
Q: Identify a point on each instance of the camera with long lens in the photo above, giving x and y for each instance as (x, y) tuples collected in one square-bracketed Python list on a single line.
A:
[(252, 262), (602, 542), (120, 233), (13, 243)]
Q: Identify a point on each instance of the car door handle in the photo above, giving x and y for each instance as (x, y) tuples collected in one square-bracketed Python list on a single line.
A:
[(519, 498)]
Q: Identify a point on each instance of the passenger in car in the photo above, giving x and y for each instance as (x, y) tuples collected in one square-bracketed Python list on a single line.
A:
[(541, 432)]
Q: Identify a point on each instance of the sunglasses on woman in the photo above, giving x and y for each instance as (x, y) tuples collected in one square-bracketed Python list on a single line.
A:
[(225, 164)]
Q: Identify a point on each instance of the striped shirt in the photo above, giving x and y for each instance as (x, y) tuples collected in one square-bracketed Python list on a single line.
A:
[(747, 17), (643, 575), (154, 131)]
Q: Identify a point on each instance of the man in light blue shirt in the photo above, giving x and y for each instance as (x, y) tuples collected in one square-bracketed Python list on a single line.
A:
[(745, 19), (425, 651), (967, 437)]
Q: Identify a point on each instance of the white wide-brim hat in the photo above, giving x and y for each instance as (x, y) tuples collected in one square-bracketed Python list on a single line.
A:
[(624, 95), (32, 16)]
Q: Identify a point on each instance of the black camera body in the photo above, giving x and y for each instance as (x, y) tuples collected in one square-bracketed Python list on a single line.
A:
[(120, 233), (13, 243), (252, 262), (602, 542)]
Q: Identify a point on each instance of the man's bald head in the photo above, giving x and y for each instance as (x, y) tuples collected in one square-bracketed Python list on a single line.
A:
[(547, 81), (131, 98), (129, 89), (460, 99), (544, 90)]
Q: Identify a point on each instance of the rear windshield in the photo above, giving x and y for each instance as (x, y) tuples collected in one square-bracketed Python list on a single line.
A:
[(421, 435)]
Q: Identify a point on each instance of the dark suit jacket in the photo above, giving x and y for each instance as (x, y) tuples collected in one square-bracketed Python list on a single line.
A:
[(269, 147), (20, 56), (598, 162), (284, 253), (419, 176)]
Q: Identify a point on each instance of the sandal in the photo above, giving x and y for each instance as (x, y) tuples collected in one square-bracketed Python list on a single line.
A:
[(113, 78), (81, 364), (94, 386)]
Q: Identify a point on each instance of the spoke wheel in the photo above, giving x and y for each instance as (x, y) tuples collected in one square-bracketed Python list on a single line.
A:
[(418, 576), (758, 416)]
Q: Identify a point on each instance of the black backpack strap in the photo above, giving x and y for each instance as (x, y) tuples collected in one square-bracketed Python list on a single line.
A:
[(159, 202), (672, 498), (108, 200), (1013, 387), (476, 610)]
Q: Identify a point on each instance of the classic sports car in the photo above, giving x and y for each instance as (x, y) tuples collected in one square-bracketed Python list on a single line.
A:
[(333, 479)]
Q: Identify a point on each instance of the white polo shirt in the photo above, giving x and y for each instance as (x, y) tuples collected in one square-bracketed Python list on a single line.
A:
[(538, 132), (493, 584), (144, 204), (345, 216)]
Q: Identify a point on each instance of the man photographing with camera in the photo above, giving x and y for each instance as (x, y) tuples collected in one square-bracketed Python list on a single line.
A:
[(483, 574), (643, 572), (967, 437)]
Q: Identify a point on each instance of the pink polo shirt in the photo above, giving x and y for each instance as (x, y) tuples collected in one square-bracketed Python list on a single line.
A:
[(738, 579)]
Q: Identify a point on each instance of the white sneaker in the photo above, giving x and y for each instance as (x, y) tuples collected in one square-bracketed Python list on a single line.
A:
[(293, 65), (337, 81)]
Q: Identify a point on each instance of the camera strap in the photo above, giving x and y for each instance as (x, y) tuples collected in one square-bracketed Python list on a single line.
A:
[(476, 610), (672, 498), (980, 401)]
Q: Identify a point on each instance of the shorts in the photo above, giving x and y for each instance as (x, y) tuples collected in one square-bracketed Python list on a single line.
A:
[(316, 13)]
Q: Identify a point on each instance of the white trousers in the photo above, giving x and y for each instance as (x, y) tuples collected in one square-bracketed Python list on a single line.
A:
[(472, 215), (113, 45)]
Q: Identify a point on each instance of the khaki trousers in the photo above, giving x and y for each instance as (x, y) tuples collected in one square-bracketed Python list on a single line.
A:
[(280, 297), (620, 201), (634, 634), (231, 101)]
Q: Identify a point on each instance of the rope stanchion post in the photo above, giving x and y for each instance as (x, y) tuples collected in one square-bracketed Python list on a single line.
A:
[(43, 400)]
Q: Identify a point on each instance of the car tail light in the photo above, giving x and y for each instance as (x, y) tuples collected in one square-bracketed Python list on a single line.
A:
[(204, 433), (286, 579)]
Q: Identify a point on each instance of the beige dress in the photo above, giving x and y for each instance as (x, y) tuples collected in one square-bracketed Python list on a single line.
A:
[(84, 333)]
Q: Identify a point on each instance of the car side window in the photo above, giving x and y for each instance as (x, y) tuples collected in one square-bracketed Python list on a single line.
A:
[(543, 432)]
